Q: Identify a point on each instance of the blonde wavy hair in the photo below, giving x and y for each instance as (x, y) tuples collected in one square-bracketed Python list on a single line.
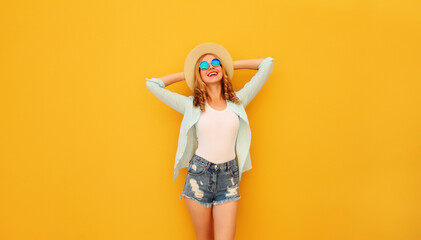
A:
[(200, 93)]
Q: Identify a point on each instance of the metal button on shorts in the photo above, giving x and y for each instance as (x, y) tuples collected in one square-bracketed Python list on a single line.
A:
[(209, 183)]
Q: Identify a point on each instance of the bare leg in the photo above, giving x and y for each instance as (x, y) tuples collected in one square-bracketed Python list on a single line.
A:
[(202, 219), (225, 220)]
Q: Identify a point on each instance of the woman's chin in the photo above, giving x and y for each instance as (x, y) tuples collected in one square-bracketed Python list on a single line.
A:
[(214, 79)]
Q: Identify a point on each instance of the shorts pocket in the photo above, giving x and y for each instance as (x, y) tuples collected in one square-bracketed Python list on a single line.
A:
[(196, 168), (234, 170)]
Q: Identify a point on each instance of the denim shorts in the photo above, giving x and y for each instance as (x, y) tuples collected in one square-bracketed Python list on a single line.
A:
[(211, 184)]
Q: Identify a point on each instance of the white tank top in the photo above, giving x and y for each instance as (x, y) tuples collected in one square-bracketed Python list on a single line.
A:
[(216, 133)]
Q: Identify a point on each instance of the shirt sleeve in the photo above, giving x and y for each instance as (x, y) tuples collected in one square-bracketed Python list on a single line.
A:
[(252, 87), (174, 100)]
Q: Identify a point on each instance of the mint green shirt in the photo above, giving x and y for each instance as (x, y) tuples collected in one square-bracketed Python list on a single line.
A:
[(187, 140)]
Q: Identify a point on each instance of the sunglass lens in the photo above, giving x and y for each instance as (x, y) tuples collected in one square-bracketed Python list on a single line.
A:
[(216, 62), (204, 65)]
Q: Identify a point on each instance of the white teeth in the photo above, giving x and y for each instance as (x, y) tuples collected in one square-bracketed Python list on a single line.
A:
[(214, 73)]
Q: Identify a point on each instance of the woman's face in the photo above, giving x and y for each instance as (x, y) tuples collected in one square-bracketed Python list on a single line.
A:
[(204, 74)]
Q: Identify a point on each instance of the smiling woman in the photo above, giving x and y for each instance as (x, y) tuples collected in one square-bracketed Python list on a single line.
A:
[(214, 136), (210, 71), (212, 84)]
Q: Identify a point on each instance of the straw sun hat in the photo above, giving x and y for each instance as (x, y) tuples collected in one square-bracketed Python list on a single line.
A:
[(205, 48)]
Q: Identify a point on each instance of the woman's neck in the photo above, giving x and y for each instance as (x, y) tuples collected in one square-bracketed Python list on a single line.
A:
[(214, 93)]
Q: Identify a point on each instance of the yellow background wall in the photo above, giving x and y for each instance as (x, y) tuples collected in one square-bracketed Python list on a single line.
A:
[(88, 153)]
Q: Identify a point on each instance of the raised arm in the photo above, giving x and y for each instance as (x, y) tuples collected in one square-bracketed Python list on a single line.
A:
[(252, 87), (248, 63), (172, 78), (174, 100)]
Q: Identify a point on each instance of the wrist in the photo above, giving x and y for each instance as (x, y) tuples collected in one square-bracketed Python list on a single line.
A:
[(235, 65)]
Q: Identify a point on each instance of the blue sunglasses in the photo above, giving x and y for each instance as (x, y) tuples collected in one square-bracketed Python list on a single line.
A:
[(205, 65)]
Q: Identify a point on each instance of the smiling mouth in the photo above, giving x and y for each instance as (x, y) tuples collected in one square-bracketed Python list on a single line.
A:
[(213, 74)]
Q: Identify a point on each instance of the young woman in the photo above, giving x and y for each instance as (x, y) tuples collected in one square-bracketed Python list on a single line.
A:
[(215, 134)]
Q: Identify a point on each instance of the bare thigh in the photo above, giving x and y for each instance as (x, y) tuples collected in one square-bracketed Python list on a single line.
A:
[(225, 220), (202, 219)]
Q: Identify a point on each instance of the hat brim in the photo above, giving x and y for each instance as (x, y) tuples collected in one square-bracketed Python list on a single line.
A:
[(197, 52)]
